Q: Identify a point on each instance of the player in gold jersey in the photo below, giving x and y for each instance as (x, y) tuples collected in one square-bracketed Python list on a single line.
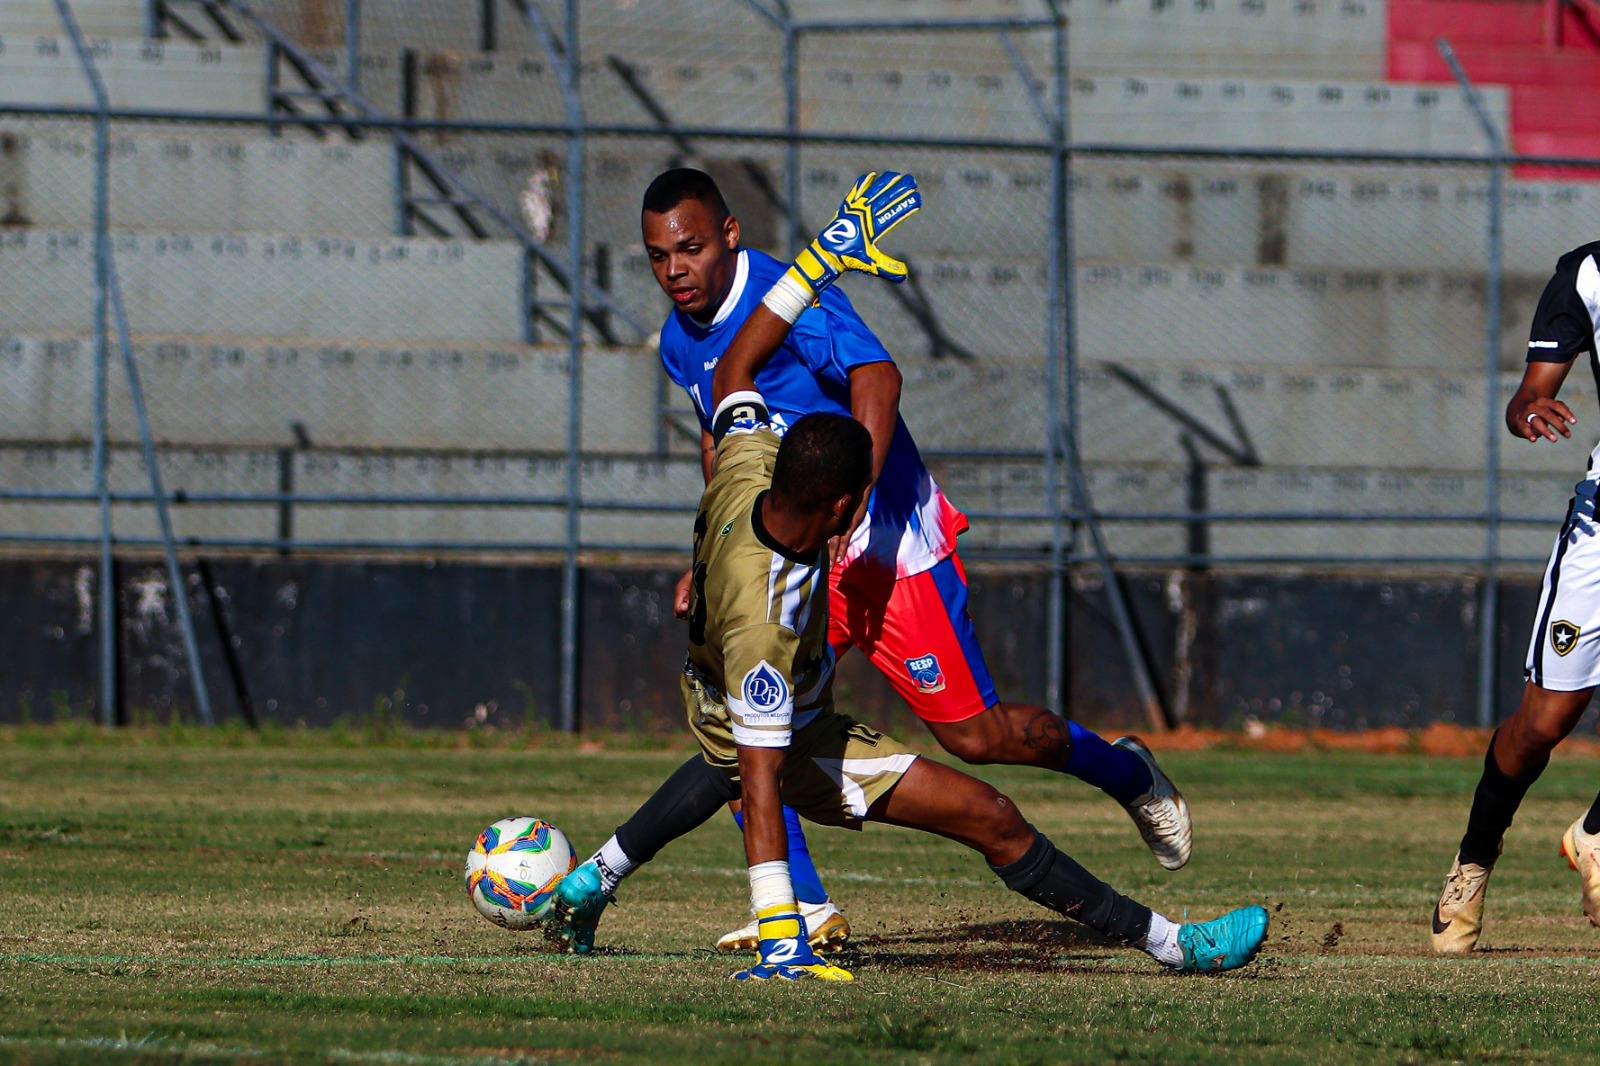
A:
[(758, 692)]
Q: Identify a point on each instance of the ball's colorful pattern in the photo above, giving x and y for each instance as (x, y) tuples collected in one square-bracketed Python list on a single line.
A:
[(514, 868)]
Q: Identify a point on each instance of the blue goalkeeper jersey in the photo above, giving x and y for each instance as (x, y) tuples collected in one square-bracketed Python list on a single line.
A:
[(910, 526)]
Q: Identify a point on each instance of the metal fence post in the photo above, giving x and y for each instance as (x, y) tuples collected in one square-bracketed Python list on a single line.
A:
[(110, 710), (352, 44), (791, 125), (1489, 611), (575, 291), (106, 615), (1059, 269)]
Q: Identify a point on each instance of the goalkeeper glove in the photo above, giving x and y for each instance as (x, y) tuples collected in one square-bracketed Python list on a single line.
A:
[(877, 204), (783, 952)]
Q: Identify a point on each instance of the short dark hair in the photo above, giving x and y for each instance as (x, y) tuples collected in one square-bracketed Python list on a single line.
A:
[(685, 183), (822, 457)]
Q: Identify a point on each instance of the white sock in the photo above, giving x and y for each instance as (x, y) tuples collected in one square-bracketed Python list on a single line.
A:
[(613, 864), (1162, 941)]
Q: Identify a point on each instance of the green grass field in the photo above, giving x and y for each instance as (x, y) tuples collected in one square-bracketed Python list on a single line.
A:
[(168, 898)]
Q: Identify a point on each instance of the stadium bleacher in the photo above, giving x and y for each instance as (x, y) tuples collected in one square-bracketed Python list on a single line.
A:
[(268, 287)]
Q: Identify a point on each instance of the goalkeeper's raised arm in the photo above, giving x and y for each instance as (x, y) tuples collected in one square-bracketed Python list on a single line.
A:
[(874, 205)]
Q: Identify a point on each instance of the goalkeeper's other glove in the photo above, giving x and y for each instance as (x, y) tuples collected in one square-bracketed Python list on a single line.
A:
[(784, 953), (877, 204)]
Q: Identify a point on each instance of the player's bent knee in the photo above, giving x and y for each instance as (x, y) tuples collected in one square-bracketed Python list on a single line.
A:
[(1544, 719), (996, 820), (1542, 732)]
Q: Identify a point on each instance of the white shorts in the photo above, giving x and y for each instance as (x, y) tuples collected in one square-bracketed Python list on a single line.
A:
[(1564, 654)]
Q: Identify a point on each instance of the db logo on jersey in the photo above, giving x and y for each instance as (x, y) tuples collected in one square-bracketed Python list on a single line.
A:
[(925, 673), (765, 690)]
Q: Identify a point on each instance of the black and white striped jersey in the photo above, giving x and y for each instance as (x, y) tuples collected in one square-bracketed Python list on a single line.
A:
[(1568, 316)]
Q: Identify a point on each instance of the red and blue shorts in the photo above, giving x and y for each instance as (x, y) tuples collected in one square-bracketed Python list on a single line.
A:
[(918, 634)]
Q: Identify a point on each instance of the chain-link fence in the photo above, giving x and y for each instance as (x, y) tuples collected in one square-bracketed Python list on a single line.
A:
[(377, 268)]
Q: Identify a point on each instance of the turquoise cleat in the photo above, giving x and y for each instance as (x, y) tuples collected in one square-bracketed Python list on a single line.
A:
[(579, 903), (1224, 943)]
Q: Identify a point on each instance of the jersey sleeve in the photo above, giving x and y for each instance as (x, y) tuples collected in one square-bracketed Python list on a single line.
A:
[(736, 451), (831, 340), (1562, 328), (758, 662)]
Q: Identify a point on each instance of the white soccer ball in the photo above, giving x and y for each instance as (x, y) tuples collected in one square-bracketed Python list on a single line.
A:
[(513, 870)]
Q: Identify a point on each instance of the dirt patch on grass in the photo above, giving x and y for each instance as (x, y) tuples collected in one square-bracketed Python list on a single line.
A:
[(1439, 738)]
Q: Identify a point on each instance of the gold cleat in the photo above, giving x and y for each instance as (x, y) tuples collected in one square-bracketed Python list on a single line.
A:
[(1458, 916), (826, 930), (1583, 855)]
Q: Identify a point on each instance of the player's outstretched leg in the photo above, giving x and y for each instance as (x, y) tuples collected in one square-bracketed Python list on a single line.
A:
[(942, 800), (1124, 769), (1517, 755), (685, 801), (918, 633), (826, 928)]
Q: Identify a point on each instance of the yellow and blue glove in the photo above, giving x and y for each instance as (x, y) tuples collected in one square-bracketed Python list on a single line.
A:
[(783, 952), (874, 206)]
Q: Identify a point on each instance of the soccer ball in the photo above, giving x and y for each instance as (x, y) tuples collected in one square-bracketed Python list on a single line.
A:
[(513, 870)]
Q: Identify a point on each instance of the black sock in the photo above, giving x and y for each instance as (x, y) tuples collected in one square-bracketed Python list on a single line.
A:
[(1493, 806), (684, 802), (1591, 821), (1054, 880)]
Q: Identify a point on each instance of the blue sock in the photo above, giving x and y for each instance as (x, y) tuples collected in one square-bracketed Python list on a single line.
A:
[(802, 871), (1120, 774)]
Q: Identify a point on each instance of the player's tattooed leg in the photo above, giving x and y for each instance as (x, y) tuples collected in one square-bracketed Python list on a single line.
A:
[(1047, 734)]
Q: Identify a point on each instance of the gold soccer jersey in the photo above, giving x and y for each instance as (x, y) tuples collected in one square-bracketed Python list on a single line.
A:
[(758, 614), (760, 669)]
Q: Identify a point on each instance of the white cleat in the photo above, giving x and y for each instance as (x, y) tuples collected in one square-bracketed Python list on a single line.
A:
[(1458, 916), (1583, 855), (826, 930), (1161, 814)]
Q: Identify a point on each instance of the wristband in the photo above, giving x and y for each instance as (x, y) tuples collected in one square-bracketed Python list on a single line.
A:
[(744, 406), (788, 297)]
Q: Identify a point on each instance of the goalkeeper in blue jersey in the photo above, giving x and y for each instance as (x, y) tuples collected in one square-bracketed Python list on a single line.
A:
[(898, 591)]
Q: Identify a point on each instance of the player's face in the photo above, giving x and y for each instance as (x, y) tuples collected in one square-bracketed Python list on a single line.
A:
[(693, 255)]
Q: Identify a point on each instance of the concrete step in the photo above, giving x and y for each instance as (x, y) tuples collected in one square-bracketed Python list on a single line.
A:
[(170, 177), (1279, 114), (987, 489), (919, 95), (1124, 210), (1268, 36), (996, 310), (252, 393), (170, 74), (96, 18), (280, 286)]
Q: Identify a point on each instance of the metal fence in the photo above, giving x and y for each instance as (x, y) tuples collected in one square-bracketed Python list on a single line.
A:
[(371, 281)]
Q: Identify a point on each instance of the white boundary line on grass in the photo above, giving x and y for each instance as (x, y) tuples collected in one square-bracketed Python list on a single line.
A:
[(1491, 957), (148, 1044), (242, 962)]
